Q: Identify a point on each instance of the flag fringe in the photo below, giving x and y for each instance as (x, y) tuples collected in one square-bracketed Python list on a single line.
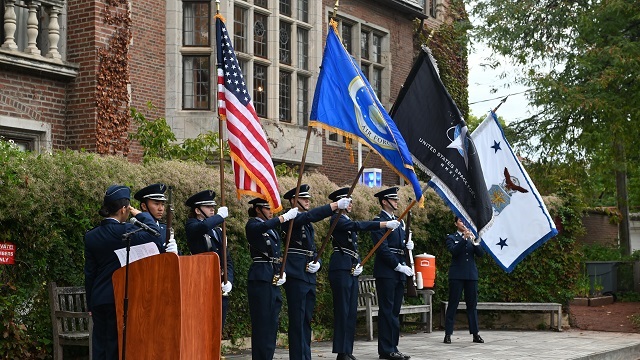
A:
[(258, 182), (449, 197), (363, 142), (433, 60)]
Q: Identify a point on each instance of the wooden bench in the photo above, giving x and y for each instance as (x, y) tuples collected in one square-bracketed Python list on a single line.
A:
[(554, 308), (72, 324), (368, 303)]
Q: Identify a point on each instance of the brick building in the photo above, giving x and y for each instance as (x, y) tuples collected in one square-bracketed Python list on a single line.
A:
[(66, 82)]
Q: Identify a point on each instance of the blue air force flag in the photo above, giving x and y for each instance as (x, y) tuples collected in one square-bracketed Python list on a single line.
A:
[(344, 102), (521, 221)]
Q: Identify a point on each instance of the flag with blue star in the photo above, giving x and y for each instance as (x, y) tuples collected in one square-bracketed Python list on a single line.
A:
[(440, 145), (521, 220)]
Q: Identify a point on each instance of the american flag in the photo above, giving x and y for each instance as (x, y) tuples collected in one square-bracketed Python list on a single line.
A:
[(250, 155)]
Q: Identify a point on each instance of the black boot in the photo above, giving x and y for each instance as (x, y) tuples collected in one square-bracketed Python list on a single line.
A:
[(477, 338), (447, 339), (342, 357)]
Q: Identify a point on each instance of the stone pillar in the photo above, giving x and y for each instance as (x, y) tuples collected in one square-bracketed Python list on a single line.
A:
[(32, 29), (10, 25), (54, 33)]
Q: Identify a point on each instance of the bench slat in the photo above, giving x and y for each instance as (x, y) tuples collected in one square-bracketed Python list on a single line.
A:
[(72, 324), (554, 308)]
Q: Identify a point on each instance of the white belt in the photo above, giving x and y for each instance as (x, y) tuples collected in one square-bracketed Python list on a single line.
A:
[(346, 251)]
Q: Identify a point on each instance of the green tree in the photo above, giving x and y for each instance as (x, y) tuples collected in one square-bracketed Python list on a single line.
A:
[(582, 61)]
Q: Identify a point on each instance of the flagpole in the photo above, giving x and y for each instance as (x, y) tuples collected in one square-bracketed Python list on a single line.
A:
[(384, 237), (295, 197), (223, 241), (302, 163), (386, 234), (501, 102), (335, 221)]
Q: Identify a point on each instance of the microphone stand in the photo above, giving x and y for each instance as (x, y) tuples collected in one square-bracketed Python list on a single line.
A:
[(126, 237)]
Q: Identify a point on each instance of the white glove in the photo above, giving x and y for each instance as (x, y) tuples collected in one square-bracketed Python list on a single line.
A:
[(223, 211), (283, 279), (313, 267), (410, 245), (226, 287), (357, 270), (290, 215), (344, 203), (404, 269), (392, 224), (171, 247)]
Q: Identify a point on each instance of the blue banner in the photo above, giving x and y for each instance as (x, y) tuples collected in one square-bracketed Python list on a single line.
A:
[(345, 103)]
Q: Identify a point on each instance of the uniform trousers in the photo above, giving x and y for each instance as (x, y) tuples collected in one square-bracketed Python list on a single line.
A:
[(344, 287), (265, 302), (390, 293), (225, 308), (456, 287), (105, 332), (301, 299)]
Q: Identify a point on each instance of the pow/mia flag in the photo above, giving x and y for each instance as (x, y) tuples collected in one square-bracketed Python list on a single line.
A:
[(440, 145)]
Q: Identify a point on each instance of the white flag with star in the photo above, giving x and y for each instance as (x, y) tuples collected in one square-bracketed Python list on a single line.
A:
[(521, 220)]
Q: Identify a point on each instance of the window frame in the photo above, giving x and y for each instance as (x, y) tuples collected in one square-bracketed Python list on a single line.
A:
[(195, 83), (208, 20), (264, 52)]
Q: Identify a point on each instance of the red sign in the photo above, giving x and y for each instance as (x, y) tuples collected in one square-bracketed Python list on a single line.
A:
[(7, 253)]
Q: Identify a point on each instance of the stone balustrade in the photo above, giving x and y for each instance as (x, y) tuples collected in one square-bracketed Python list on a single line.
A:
[(13, 22)]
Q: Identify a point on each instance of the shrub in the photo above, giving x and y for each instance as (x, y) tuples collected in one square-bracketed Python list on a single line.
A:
[(49, 201)]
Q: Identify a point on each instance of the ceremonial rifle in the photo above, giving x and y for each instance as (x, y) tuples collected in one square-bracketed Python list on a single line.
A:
[(411, 280), (169, 234)]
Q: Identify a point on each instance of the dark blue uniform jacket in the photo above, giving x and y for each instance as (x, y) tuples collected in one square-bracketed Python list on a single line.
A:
[(101, 261)]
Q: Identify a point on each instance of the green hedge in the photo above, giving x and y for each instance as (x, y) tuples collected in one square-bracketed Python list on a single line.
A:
[(48, 202)]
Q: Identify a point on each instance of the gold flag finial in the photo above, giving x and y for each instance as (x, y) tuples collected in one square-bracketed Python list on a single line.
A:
[(335, 8)]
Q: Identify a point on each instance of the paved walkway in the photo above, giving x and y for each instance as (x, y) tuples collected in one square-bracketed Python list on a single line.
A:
[(499, 345)]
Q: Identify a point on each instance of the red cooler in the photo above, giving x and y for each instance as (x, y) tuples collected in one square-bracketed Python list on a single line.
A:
[(426, 265)]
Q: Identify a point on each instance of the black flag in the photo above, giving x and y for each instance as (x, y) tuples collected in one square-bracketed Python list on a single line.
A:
[(439, 142)]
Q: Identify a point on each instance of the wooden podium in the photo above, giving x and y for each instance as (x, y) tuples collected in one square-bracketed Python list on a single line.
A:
[(175, 307)]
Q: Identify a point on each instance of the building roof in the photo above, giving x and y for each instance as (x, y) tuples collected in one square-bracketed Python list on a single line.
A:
[(409, 7)]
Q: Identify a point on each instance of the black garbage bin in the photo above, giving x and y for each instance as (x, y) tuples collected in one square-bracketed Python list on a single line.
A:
[(603, 273)]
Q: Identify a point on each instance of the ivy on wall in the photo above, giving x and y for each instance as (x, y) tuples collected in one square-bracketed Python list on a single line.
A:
[(112, 95), (448, 44)]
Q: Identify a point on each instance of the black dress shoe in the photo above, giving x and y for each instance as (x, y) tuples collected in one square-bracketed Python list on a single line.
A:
[(447, 339), (405, 356), (392, 356), (477, 339), (350, 356)]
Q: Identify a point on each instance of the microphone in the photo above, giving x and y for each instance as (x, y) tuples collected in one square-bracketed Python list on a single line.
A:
[(144, 226)]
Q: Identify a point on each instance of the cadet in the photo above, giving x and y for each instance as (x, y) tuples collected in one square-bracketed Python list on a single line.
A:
[(344, 268), (463, 275), (390, 272), (101, 262), (301, 268), (205, 235), (265, 297), (152, 201)]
